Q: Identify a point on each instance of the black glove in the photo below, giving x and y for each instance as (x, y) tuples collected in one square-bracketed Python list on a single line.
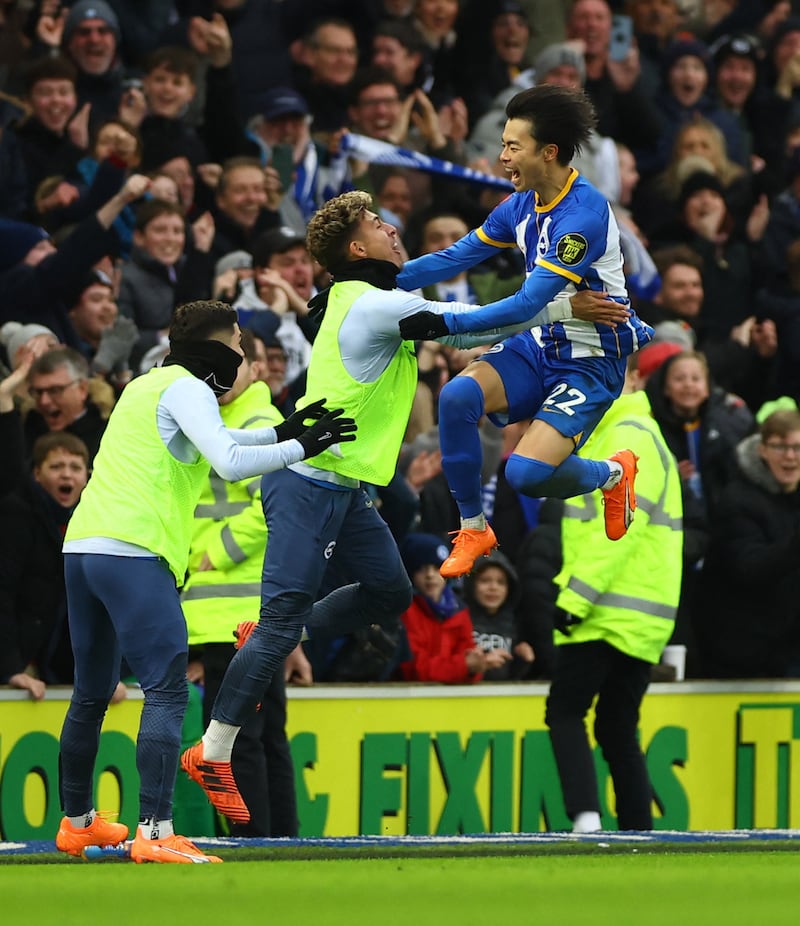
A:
[(295, 425), (563, 620), (330, 429), (318, 305), (423, 326)]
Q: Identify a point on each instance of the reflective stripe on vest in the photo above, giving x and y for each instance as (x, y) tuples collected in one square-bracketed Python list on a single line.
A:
[(223, 590), (615, 600)]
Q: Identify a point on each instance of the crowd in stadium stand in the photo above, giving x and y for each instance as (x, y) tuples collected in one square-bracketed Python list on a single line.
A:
[(154, 153)]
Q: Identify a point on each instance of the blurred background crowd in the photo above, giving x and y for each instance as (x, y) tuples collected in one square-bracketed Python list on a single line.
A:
[(156, 152)]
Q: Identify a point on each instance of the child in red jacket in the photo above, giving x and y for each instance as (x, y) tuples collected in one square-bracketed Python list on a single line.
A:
[(437, 624)]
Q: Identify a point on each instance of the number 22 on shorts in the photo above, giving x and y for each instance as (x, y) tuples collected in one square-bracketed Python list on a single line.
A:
[(571, 397)]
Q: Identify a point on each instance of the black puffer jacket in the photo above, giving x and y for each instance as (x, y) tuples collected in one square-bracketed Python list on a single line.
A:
[(33, 622), (748, 608)]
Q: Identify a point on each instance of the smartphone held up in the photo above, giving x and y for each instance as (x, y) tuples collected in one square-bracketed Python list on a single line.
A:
[(621, 37)]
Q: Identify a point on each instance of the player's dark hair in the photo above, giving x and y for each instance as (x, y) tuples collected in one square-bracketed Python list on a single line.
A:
[(557, 115), (201, 320)]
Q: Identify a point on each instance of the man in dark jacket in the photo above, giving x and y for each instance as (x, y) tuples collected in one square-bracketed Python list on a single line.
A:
[(34, 639), (747, 613)]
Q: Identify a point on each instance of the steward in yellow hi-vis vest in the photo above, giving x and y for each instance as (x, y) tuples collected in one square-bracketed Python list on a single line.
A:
[(632, 608), (616, 611), (228, 529)]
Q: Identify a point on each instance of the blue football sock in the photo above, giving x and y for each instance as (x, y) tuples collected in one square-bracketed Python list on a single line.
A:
[(575, 476), (460, 409)]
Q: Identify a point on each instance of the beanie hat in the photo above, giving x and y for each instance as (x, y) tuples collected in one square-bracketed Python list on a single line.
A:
[(90, 9), (233, 260), (72, 295), (557, 55), (418, 550), (652, 356), (17, 240), (783, 403), (502, 7), (683, 48), (690, 164), (14, 335), (700, 180), (675, 333), (740, 45)]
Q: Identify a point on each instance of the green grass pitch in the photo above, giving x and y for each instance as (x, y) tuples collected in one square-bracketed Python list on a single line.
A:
[(621, 886)]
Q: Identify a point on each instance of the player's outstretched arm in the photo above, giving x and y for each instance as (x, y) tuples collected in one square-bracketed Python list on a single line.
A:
[(445, 264), (434, 323)]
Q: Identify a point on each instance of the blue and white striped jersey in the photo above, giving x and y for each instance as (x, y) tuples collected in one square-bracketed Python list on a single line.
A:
[(570, 244)]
